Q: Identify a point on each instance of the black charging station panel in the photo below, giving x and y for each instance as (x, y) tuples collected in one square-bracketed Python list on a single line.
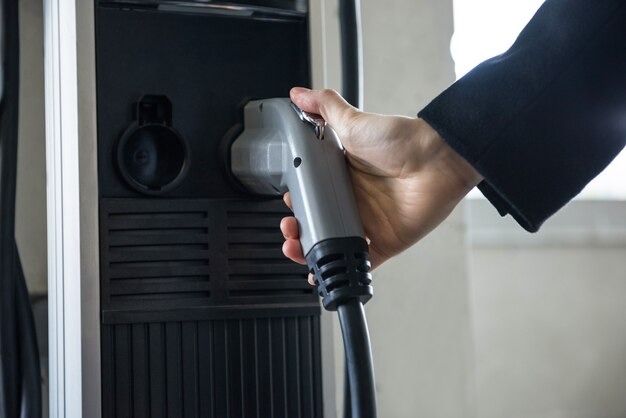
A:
[(202, 316)]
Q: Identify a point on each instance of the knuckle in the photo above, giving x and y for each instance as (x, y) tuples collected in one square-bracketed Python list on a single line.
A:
[(328, 93), (348, 121)]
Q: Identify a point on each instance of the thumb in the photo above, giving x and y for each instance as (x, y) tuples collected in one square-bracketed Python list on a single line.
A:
[(327, 103)]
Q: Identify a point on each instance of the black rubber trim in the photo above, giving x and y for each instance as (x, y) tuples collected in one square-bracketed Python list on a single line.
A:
[(341, 268)]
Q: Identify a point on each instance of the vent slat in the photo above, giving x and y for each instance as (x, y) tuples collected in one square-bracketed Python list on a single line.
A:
[(256, 220), (279, 260), (156, 239), (256, 238), (118, 288), (156, 255), (160, 280), (272, 295), (141, 271), (245, 277), (156, 214), (160, 302), (157, 223), (270, 284), (122, 207), (255, 269), (274, 253)]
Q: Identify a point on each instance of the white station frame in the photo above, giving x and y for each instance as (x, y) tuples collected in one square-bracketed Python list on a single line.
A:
[(72, 201), (72, 207)]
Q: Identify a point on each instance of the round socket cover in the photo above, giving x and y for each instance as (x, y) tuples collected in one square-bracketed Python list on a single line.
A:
[(153, 158)]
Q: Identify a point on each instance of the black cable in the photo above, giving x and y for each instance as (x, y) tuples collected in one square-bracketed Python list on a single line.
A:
[(29, 351), (10, 382), (351, 51), (359, 363), (352, 81), (340, 267), (20, 383), (347, 404)]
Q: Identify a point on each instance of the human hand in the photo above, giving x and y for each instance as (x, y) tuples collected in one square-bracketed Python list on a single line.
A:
[(406, 178)]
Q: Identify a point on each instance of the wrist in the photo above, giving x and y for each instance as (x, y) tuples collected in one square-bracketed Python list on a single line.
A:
[(462, 176)]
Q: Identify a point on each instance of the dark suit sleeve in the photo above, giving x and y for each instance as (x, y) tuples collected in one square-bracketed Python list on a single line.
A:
[(543, 119)]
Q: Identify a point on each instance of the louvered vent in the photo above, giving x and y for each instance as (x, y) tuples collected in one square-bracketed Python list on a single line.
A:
[(156, 254), (183, 258), (257, 266), (255, 367)]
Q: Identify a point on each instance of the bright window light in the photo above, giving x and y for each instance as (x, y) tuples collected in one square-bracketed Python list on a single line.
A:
[(485, 28)]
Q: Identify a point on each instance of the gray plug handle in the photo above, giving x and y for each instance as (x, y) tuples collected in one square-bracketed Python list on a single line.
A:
[(278, 152)]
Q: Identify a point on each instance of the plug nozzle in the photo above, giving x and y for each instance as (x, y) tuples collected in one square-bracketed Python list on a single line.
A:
[(340, 267)]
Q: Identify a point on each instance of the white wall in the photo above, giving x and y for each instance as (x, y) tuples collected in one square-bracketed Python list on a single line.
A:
[(420, 326), (549, 313)]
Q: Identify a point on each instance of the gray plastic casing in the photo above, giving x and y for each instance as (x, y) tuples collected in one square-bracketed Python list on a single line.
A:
[(278, 152)]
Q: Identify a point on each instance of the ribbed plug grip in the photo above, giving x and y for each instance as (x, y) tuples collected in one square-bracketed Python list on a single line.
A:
[(341, 270)]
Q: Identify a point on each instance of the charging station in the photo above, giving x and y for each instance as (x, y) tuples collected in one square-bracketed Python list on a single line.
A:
[(181, 302), (201, 313)]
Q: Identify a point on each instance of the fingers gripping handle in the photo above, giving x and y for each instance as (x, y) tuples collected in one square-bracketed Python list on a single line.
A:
[(281, 150)]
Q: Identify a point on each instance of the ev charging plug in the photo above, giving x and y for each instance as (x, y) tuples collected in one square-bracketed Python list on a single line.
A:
[(283, 148)]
